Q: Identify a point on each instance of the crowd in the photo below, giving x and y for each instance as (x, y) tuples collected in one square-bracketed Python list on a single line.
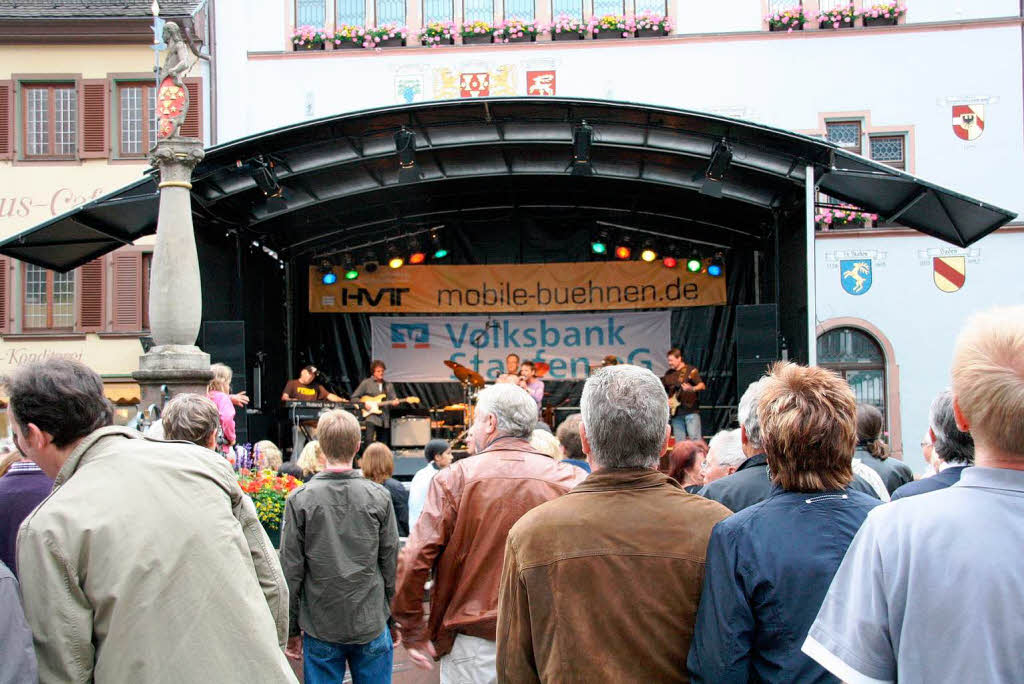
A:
[(577, 557)]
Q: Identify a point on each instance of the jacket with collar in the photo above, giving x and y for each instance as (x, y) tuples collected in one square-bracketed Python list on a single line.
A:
[(147, 563), (470, 507), (946, 478), (602, 584), (745, 487)]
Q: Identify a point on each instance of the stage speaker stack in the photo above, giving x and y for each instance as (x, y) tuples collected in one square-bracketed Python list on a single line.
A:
[(757, 343), (224, 341)]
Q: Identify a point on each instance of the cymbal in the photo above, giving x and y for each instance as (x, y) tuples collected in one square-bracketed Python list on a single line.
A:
[(453, 364), (465, 375), (540, 369)]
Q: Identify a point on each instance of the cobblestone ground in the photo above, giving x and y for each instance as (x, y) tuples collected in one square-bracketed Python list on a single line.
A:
[(404, 673)]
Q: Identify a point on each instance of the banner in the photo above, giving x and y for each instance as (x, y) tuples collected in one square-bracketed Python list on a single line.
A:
[(596, 285), (414, 348)]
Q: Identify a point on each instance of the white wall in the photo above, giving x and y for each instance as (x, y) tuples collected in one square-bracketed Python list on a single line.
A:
[(920, 320), (718, 17), (957, 10)]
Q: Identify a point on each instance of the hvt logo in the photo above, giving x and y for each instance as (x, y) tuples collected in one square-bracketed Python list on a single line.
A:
[(363, 296), (404, 333)]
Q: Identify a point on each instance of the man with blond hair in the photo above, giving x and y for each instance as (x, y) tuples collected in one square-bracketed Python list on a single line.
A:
[(883, 619), (339, 546)]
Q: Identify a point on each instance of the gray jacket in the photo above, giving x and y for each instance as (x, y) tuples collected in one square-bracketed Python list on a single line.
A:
[(339, 548), (17, 659)]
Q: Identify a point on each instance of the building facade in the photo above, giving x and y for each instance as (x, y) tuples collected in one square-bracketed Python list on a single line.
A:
[(77, 107)]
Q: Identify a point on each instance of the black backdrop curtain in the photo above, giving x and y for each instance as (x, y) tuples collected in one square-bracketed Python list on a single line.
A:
[(340, 344)]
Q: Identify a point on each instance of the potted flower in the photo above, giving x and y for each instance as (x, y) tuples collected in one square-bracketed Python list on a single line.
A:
[(843, 215), (883, 14), (611, 26), (438, 33), (268, 492), (516, 31), (649, 24), (567, 28), (349, 37), (308, 38), (788, 20), (476, 32), (840, 16), (388, 35)]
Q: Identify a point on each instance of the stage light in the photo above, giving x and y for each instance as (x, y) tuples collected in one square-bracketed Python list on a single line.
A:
[(349, 267), (395, 259), (694, 263), (327, 274), (718, 164), (405, 147), (669, 262), (599, 245), (370, 261), (582, 137), (623, 252), (648, 253), (435, 242), (716, 266), (262, 173), (416, 254)]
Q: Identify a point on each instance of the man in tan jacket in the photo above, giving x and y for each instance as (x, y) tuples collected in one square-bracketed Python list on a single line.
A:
[(602, 584), (461, 534), (145, 564)]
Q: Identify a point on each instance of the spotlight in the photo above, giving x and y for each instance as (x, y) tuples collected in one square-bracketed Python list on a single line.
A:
[(405, 146), (716, 266), (370, 261), (647, 253), (718, 164), (327, 274), (694, 263), (395, 259), (262, 173), (624, 248), (435, 242), (668, 259), (348, 267), (416, 255), (582, 137), (599, 245)]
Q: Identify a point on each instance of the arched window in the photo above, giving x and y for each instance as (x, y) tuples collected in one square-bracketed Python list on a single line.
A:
[(858, 357)]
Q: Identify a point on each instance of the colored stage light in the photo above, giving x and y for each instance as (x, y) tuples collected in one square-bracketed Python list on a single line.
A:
[(395, 259), (327, 274), (648, 253), (417, 258), (716, 266), (349, 267), (693, 265), (669, 262), (435, 241), (623, 252), (598, 248), (329, 278), (351, 274)]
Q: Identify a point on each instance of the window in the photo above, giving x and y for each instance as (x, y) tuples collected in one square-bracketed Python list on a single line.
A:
[(483, 10), (390, 12), (49, 298), (51, 120), (137, 120), (567, 8), (858, 358), (517, 9), (442, 10), (310, 13), (781, 5), (845, 134), (349, 13), (888, 149), (653, 6), (604, 7)]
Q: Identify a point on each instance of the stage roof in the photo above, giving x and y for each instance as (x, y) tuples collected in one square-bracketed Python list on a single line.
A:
[(488, 157)]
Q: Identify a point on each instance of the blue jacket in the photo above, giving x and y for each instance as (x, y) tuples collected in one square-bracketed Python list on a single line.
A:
[(947, 478), (767, 571)]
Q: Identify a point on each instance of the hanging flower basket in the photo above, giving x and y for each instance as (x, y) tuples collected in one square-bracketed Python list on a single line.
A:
[(649, 25), (788, 20), (611, 26), (438, 33), (477, 33), (567, 28), (388, 35), (883, 14), (349, 38), (516, 31), (308, 38), (838, 17)]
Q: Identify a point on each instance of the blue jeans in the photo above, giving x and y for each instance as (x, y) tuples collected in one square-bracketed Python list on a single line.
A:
[(323, 662), (686, 426)]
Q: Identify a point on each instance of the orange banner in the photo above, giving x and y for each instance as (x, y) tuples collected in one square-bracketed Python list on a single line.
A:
[(597, 286)]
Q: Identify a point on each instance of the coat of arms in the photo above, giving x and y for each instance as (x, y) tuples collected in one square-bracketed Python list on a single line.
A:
[(969, 121), (949, 273), (475, 85), (540, 82), (855, 275)]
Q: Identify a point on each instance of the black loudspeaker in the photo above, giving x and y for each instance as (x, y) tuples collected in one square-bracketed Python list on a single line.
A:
[(224, 341), (757, 343)]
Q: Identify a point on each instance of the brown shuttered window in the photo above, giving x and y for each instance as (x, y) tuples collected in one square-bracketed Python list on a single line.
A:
[(91, 295), (94, 116), (50, 120), (6, 120), (193, 126), (127, 292), (5, 310)]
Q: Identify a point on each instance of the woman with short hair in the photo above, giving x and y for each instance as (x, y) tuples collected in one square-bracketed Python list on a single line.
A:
[(685, 463), (378, 464)]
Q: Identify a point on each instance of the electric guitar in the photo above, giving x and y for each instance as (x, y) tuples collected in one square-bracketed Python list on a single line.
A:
[(372, 404)]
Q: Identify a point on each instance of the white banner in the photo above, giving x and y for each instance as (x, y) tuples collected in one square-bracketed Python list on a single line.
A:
[(414, 348)]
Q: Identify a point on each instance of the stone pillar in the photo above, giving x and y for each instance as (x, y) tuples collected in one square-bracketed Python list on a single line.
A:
[(175, 299)]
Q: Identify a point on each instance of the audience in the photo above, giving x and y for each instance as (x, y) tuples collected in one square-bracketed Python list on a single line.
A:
[(438, 453), (339, 546), (22, 488), (378, 466), (219, 391), (460, 536), (750, 483), (929, 589), (137, 540), (290, 468), (311, 460), (270, 455), (953, 450), (867, 481), (725, 456), (191, 418), (544, 442), (568, 434), (686, 464), (874, 453), (17, 657), (593, 589), (769, 566)]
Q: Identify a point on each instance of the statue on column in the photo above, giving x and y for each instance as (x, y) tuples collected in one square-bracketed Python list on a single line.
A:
[(172, 98)]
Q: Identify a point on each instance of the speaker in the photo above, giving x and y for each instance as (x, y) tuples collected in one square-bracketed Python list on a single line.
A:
[(756, 335), (410, 431), (224, 341)]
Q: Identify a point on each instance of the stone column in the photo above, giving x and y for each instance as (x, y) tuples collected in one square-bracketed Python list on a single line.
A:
[(175, 292)]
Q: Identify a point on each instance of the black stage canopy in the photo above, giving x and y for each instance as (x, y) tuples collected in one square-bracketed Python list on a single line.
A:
[(341, 184)]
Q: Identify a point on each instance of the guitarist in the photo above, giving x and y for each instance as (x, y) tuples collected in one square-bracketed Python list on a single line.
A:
[(682, 383), (375, 385)]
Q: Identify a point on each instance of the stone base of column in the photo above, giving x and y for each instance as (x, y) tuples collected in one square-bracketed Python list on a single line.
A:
[(178, 367)]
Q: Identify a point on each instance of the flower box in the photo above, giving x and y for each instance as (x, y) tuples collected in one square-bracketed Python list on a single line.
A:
[(439, 41), (838, 17), (882, 14), (568, 28), (387, 35), (477, 39), (609, 35), (846, 23), (438, 33), (881, 21), (392, 42), (791, 27), (308, 38), (305, 48), (517, 31), (347, 45), (523, 39), (567, 35), (651, 33), (650, 25)]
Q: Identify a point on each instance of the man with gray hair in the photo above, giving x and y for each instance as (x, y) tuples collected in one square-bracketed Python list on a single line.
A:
[(470, 507), (626, 529), (953, 449), (725, 455), (191, 418)]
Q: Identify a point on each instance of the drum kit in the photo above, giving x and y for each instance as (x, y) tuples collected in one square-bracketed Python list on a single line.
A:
[(472, 382)]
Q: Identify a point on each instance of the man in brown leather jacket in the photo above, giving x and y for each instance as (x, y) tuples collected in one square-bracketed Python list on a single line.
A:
[(461, 535), (614, 568)]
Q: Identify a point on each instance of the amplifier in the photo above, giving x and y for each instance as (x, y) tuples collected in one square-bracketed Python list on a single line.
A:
[(409, 431)]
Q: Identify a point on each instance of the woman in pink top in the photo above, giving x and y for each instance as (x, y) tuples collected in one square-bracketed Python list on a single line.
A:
[(219, 391)]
